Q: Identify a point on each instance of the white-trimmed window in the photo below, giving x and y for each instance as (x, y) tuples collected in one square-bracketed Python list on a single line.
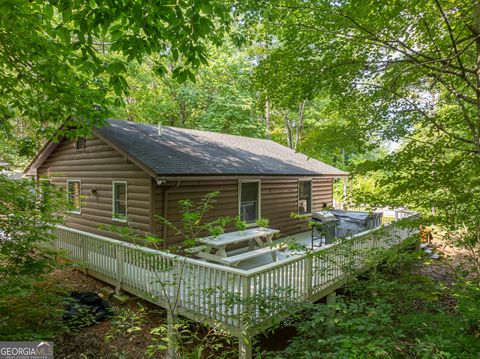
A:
[(249, 200), (304, 196), (74, 201), (119, 201)]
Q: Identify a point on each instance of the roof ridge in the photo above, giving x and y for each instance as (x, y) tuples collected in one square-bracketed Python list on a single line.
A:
[(197, 130)]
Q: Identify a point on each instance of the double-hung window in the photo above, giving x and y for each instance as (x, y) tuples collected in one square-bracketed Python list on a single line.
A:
[(249, 200), (74, 201), (119, 201), (305, 197)]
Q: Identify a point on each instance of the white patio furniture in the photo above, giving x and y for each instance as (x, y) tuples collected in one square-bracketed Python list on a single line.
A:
[(214, 248)]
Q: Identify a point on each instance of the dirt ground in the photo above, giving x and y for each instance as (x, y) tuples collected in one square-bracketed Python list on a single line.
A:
[(451, 259), (91, 342)]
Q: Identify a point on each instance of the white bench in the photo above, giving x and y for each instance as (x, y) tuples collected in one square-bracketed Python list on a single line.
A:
[(236, 259)]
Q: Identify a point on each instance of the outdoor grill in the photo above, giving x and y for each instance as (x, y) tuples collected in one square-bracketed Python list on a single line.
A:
[(324, 228), (326, 225)]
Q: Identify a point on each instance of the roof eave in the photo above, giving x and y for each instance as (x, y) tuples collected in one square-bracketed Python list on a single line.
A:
[(41, 156), (217, 176)]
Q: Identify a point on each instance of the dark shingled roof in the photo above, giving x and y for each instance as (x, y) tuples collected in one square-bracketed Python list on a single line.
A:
[(179, 152)]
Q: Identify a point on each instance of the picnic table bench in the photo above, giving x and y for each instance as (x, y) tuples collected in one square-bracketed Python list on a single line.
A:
[(214, 248)]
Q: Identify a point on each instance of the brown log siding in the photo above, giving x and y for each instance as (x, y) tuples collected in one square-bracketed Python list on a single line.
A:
[(97, 166), (226, 203), (279, 197)]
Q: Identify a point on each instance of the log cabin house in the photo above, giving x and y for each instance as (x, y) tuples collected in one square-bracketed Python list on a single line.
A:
[(132, 172)]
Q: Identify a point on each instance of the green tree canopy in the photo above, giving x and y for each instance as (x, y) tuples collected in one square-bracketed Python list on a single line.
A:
[(222, 99), (64, 62), (405, 73)]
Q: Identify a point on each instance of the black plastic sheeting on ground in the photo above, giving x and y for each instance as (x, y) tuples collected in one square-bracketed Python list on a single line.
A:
[(86, 308)]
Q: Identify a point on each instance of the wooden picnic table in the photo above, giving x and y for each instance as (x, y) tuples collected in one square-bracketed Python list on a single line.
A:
[(215, 247)]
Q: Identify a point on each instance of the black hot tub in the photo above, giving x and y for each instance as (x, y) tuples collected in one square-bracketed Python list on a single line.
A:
[(353, 222)]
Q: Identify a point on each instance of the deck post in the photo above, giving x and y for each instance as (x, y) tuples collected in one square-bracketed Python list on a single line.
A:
[(84, 243), (332, 298), (245, 347), (120, 264)]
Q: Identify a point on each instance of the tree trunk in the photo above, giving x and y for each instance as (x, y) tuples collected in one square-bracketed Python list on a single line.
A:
[(288, 128), (183, 113), (301, 112), (476, 31), (267, 118)]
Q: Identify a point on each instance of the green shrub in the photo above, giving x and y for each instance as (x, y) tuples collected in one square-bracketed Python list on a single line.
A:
[(239, 224), (32, 312), (28, 213), (467, 295), (350, 328), (262, 222), (393, 312), (192, 341), (127, 322), (30, 307)]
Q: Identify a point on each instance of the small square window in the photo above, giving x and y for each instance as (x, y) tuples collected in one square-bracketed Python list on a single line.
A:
[(80, 143)]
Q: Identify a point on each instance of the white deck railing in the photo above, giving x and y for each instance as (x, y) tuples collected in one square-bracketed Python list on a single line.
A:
[(215, 293)]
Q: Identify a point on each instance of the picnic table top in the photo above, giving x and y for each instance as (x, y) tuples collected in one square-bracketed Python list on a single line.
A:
[(238, 236)]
